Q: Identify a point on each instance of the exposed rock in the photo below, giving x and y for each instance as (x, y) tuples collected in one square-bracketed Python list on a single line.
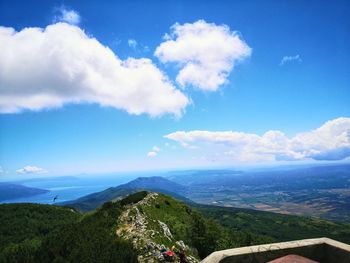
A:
[(133, 226), (166, 230), (181, 244)]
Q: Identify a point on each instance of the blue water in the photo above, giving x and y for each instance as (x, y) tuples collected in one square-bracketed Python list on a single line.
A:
[(72, 187)]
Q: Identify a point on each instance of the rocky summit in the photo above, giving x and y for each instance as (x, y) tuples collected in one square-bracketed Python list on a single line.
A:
[(149, 235)]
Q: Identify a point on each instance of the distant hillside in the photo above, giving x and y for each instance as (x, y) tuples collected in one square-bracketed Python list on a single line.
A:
[(292, 178), (319, 191), (276, 226), (92, 201), (10, 191), (157, 184)]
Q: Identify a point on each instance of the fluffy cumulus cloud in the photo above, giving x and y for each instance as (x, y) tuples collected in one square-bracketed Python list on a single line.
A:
[(331, 141), (67, 15), (287, 59), (205, 52), (60, 64), (31, 170)]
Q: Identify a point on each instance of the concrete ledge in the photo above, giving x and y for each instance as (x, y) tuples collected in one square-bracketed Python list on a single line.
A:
[(318, 249)]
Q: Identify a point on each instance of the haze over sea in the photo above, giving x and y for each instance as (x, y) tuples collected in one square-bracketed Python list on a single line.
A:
[(72, 187)]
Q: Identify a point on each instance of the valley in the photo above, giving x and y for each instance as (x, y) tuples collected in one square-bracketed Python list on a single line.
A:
[(322, 191)]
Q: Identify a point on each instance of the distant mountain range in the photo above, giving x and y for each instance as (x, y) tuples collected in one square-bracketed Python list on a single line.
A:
[(156, 183), (322, 191)]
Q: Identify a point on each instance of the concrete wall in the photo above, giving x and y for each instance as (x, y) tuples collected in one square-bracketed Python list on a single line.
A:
[(323, 250)]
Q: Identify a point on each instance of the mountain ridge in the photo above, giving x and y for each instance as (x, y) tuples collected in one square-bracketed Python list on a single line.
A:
[(155, 183)]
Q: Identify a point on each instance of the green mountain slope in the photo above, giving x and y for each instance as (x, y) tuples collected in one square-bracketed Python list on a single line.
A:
[(138, 226), (158, 220), (54, 235), (157, 184), (23, 227), (120, 231), (20, 222), (91, 240), (278, 227)]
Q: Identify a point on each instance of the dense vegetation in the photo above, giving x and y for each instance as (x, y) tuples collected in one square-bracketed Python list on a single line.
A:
[(277, 227), (91, 239), (20, 222)]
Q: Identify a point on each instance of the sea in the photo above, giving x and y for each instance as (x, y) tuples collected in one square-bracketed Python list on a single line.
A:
[(67, 188)]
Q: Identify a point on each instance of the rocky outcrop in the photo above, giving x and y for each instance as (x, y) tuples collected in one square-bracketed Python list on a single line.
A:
[(166, 230), (135, 226)]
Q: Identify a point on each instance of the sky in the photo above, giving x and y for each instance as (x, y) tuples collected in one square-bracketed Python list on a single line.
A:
[(100, 87)]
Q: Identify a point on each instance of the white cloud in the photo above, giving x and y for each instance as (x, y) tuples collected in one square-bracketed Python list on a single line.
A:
[(287, 59), (205, 52), (67, 15), (31, 170), (156, 149), (132, 43), (152, 154), (47, 68), (331, 141)]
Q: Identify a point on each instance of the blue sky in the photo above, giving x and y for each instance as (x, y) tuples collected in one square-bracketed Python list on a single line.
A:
[(287, 72)]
